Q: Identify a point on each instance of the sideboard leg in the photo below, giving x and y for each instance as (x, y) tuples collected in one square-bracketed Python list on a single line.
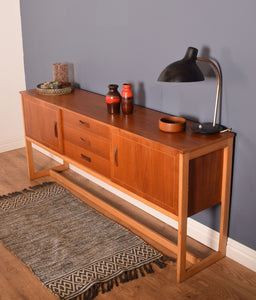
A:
[(182, 217), (30, 163), (182, 271), (225, 196)]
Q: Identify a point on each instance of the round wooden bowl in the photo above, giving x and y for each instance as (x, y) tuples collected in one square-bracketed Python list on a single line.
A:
[(172, 124)]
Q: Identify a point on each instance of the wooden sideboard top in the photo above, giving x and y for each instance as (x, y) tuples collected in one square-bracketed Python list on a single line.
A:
[(143, 121)]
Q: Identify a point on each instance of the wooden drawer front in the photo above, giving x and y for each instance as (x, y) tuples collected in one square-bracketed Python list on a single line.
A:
[(81, 122), (87, 141), (87, 158)]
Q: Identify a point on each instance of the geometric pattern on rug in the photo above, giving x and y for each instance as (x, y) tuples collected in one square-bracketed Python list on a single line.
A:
[(74, 250), (83, 279)]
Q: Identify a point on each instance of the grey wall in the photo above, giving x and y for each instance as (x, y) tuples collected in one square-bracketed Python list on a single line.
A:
[(129, 40)]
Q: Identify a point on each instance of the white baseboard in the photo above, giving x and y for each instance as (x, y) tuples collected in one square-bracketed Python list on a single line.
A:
[(235, 250), (241, 254), (205, 235), (12, 144)]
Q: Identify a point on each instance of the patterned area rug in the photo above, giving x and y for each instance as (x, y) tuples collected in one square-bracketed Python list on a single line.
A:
[(74, 250)]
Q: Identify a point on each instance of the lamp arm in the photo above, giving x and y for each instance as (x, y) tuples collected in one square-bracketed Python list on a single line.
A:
[(219, 84)]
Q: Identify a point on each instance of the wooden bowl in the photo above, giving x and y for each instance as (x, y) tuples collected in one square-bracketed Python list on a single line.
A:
[(172, 124)]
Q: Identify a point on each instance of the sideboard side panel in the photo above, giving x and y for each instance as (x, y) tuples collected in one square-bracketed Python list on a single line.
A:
[(205, 181)]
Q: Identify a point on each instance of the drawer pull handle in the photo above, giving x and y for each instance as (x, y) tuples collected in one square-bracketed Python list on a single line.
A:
[(55, 129), (85, 141), (86, 124), (87, 158), (115, 156)]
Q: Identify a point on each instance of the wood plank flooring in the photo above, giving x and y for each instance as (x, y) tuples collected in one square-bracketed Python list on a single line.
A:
[(225, 279)]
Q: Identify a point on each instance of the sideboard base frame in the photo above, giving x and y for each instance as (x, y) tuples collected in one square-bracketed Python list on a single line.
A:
[(183, 271)]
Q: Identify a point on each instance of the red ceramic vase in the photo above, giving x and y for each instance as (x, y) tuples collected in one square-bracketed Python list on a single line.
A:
[(127, 99)]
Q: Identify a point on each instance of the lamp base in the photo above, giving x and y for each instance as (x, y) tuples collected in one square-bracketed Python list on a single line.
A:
[(207, 128)]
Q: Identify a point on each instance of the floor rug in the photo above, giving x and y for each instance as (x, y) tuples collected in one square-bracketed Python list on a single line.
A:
[(74, 250)]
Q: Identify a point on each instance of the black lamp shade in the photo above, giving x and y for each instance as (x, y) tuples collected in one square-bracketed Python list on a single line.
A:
[(184, 70)]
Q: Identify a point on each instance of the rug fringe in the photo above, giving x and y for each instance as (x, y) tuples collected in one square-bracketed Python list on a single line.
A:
[(126, 276), (29, 189), (10, 195), (38, 186)]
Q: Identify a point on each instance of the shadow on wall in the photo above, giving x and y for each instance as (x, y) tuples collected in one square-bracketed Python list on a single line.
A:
[(210, 217), (204, 67), (71, 73), (141, 94), (189, 117)]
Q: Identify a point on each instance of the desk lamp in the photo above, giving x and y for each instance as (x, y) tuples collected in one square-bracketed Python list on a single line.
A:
[(187, 70)]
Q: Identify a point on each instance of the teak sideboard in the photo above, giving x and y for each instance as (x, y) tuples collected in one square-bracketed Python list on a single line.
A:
[(178, 174)]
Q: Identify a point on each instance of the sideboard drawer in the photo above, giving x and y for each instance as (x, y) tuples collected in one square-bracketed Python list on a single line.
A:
[(81, 122), (87, 141), (87, 158)]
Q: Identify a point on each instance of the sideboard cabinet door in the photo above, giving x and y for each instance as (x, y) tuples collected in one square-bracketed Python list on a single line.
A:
[(42, 123), (146, 171)]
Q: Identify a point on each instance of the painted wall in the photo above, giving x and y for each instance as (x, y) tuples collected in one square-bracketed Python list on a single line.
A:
[(127, 40), (12, 77)]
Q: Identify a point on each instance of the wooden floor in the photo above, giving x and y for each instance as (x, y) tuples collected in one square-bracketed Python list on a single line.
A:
[(225, 279)]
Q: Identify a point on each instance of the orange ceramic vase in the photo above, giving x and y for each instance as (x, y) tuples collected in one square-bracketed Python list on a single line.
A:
[(127, 99)]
